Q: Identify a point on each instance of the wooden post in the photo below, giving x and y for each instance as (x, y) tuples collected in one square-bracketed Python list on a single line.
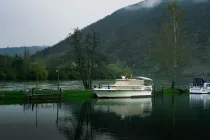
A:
[(36, 78), (153, 90)]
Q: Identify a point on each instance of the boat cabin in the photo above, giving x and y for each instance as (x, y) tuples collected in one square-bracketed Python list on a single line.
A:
[(198, 82), (132, 83)]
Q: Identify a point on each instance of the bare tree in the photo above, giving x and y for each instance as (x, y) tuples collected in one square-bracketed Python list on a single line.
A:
[(85, 55)]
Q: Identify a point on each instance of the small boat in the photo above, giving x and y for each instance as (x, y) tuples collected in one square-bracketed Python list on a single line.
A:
[(199, 86), (126, 87)]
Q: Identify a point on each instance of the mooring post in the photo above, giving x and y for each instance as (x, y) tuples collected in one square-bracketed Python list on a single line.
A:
[(32, 91), (153, 90), (162, 90)]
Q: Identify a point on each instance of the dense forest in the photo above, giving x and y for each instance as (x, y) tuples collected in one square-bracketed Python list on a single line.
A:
[(25, 68)]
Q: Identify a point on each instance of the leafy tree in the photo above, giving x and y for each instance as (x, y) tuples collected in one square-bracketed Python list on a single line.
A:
[(38, 70), (85, 56), (169, 50), (19, 67)]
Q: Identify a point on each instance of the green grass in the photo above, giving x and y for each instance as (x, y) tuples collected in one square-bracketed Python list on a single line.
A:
[(77, 95), (170, 91), (18, 97), (12, 97), (46, 92), (16, 101)]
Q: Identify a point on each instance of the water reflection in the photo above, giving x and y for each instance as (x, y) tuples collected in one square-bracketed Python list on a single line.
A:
[(124, 118), (31, 121), (76, 124), (39, 108), (125, 107), (200, 100), (169, 117)]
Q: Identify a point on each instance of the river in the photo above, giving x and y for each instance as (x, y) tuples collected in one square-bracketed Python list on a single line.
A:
[(64, 85), (158, 118)]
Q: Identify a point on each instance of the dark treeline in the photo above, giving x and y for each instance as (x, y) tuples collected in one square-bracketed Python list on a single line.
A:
[(21, 68), (25, 68)]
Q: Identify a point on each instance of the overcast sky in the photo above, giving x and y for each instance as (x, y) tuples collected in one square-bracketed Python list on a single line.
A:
[(46, 22)]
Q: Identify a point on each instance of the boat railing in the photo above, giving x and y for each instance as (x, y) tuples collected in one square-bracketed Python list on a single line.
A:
[(195, 85), (126, 87)]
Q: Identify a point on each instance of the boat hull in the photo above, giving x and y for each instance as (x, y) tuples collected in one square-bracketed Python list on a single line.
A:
[(199, 91), (122, 93)]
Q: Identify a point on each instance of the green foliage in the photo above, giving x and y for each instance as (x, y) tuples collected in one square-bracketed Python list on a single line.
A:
[(18, 97), (173, 91), (46, 92), (17, 68), (72, 95), (119, 69), (163, 51), (170, 91), (84, 55), (12, 97), (170, 51), (115, 68), (38, 70)]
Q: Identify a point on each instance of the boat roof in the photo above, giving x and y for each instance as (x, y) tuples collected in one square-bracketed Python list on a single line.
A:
[(198, 79), (144, 78)]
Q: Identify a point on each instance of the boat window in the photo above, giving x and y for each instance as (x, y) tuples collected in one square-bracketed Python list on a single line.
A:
[(147, 83)]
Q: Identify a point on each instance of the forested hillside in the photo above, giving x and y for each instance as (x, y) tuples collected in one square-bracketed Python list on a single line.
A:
[(127, 34)]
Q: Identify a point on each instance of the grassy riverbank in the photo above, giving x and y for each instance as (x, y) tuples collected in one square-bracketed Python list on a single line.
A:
[(13, 97), (18, 97), (81, 95), (171, 91)]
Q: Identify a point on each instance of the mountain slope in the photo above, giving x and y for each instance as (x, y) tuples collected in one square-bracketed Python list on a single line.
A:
[(127, 33), (11, 51)]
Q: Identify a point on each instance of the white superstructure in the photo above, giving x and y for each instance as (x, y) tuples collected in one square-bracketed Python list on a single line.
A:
[(133, 87)]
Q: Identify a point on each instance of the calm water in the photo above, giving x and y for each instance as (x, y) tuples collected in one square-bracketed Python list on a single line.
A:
[(65, 85), (181, 117)]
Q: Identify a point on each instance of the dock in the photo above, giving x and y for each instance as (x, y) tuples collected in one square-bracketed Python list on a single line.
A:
[(44, 96)]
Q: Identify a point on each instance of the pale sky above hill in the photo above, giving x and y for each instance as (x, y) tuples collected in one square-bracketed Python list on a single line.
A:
[(46, 22)]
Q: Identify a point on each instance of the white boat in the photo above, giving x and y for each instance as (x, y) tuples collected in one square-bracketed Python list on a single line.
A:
[(199, 86), (126, 87)]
